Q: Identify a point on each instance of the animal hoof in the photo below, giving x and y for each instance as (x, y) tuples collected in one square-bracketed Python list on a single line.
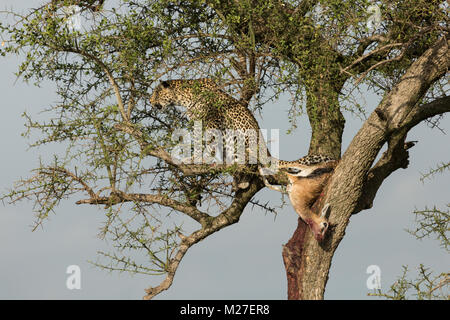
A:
[(323, 227), (325, 209), (244, 185), (266, 172)]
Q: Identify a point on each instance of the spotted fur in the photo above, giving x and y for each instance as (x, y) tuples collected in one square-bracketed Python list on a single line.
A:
[(217, 110), (308, 160), (205, 101)]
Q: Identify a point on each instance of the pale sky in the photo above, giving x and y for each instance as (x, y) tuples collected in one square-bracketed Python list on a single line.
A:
[(242, 261)]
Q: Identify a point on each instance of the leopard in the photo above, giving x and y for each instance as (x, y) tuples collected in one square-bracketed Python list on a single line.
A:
[(218, 110), (205, 101)]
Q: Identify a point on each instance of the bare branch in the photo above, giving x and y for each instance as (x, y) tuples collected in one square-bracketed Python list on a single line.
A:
[(164, 200), (372, 53), (396, 156), (228, 217)]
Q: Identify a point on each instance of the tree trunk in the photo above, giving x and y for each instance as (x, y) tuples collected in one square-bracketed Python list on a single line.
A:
[(307, 261), (327, 125), (325, 117), (292, 258), (299, 258)]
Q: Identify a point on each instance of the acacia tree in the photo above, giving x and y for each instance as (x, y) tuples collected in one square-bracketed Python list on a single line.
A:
[(118, 147)]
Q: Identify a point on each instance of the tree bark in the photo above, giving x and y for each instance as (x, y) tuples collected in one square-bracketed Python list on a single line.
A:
[(326, 120), (308, 262)]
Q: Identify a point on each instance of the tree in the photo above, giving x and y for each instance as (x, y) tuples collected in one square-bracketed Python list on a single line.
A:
[(118, 147)]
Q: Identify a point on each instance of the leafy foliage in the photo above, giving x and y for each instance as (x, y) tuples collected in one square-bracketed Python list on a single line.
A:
[(118, 147)]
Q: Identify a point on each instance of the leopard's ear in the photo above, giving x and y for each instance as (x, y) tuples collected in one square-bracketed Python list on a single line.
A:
[(165, 84)]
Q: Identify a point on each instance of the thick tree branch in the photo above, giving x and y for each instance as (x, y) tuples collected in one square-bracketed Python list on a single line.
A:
[(164, 200), (388, 121), (396, 156), (346, 186), (422, 112), (228, 217), (403, 99)]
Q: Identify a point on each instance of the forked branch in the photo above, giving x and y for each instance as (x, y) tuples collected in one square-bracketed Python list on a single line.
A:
[(228, 217)]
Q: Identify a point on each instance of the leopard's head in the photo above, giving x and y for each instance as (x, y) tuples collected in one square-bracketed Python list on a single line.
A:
[(180, 92), (164, 95)]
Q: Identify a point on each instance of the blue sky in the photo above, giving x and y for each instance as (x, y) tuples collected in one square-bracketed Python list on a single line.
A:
[(242, 261)]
